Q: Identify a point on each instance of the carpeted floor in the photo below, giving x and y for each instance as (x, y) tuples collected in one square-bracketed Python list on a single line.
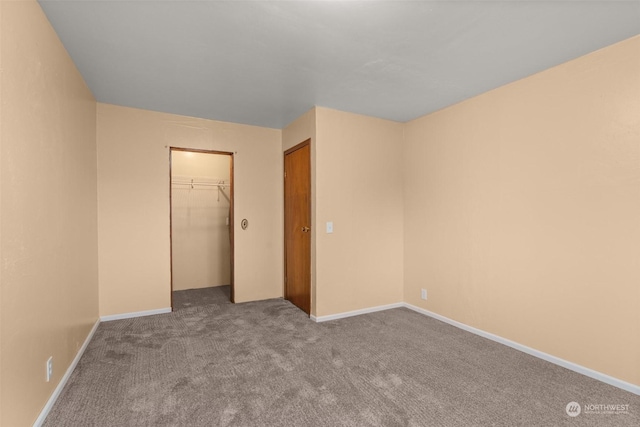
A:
[(213, 363)]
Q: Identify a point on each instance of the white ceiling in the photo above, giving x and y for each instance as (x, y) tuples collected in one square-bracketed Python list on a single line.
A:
[(267, 62)]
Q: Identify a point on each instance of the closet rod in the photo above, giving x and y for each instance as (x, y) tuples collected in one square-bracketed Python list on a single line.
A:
[(207, 184)]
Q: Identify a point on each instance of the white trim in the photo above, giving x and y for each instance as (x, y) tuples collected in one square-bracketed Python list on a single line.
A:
[(65, 378), (632, 388), (356, 312), (111, 317)]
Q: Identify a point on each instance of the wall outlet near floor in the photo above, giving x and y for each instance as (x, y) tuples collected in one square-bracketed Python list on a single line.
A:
[(49, 368), (423, 294)]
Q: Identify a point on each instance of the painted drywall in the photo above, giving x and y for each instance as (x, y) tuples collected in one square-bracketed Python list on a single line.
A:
[(301, 129), (358, 163), (522, 210), (200, 241), (133, 204), (1, 143), (48, 225)]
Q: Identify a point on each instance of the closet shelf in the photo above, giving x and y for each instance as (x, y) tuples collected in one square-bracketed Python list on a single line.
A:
[(193, 183)]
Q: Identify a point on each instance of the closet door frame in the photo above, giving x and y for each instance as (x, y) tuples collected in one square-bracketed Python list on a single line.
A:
[(231, 212)]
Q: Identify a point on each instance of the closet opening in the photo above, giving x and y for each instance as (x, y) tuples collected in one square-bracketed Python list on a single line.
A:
[(201, 227)]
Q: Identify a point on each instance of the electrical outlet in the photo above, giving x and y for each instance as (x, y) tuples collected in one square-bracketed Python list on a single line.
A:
[(423, 294), (49, 368)]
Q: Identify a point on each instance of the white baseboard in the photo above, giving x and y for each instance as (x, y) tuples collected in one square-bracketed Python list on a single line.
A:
[(63, 381), (632, 388), (533, 352), (111, 317), (356, 312), (65, 378)]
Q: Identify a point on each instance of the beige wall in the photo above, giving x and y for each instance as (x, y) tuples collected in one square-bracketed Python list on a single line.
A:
[(301, 129), (133, 204), (49, 295), (359, 188), (356, 177), (1, 144), (522, 211), (519, 208), (201, 254)]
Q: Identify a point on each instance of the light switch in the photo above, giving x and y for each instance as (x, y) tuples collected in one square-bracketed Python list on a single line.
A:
[(329, 227)]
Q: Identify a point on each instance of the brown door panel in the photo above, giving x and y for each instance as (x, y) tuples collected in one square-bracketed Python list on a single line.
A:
[(297, 212)]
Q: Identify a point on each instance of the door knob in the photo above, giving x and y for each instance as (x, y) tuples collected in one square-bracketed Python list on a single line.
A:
[(305, 229)]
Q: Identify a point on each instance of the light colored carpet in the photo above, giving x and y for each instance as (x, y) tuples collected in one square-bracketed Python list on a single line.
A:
[(212, 363)]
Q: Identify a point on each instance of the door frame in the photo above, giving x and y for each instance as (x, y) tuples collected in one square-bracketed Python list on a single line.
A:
[(296, 147), (231, 213)]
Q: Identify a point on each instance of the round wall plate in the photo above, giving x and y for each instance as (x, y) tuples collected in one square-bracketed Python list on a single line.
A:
[(244, 224)]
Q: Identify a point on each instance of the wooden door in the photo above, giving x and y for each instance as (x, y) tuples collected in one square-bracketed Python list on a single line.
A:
[(297, 226)]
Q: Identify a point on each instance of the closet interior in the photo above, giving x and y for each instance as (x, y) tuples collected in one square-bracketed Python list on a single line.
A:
[(200, 220)]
